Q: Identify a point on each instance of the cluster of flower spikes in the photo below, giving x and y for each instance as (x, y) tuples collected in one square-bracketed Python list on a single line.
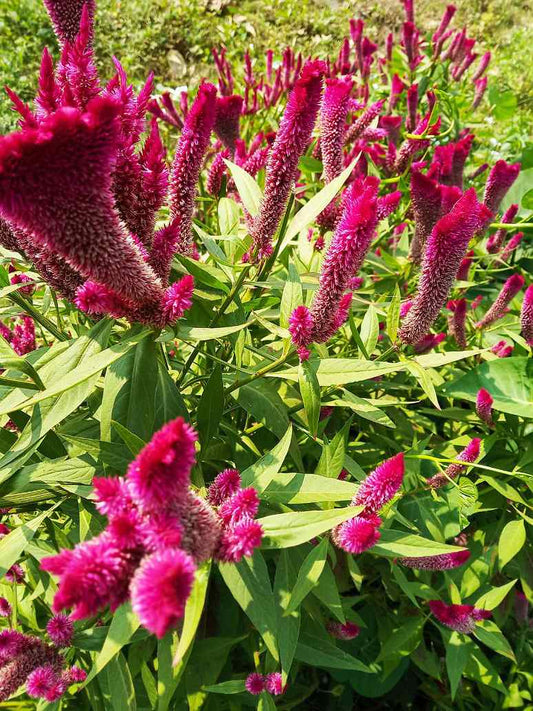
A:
[(80, 192), (361, 532), (158, 531), (27, 660)]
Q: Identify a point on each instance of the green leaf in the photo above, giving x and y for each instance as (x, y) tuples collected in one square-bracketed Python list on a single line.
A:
[(132, 442), (320, 652), (509, 381), (192, 333), (308, 575), (310, 392), (266, 702), (288, 626), (404, 639), (481, 670), (295, 488), (437, 360), (490, 634), (123, 624), (494, 597), (504, 103), (206, 274), (260, 474), (512, 539), (370, 330), (457, 652), (341, 371), (503, 488), (9, 360), (331, 460), (193, 610), (264, 404), (236, 686), (210, 407), (364, 408), (407, 545), (393, 315), (292, 295), (292, 529), (248, 189), (120, 685), (249, 583), (15, 542), (424, 380)]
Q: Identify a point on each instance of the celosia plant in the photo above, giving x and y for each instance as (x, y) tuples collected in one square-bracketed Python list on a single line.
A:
[(266, 381)]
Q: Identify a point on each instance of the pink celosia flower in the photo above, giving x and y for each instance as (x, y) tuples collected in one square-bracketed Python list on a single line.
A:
[(332, 125), (428, 342), (15, 574), (405, 307), (178, 298), (500, 179), (23, 337), (510, 247), (412, 106), (381, 485), (240, 539), (23, 279), (77, 675), (112, 495), (5, 607), (160, 588), (188, 160), (461, 618), (78, 66), (20, 655), (412, 146), (161, 470), (447, 17), (484, 401), (345, 255), (510, 289), (228, 113), (153, 185), (458, 307), (482, 66), (445, 248), (216, 173), (60, 630), (464, 269), (495, 241), (201, 526), (292, 139), (225, 485), (346, 631), (446, 561), (274, 684), (66, 16), (362, 122), (255, 684), (387, 204), (301, 326), (479, 91), (243, 504), (526, 315), (426, 199), (41, 681), (358, 534), (469, 454)]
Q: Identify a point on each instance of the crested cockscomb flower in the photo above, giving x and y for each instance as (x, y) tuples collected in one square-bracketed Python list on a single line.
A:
[(468, 455), (178, 298), (510, 247), (446, 561), (500, 179), (188, 160), (23, 337), (76, 675), (161, 530), (426, 201), (160, 588), (5, 607), (239, 539), (332, 125), (363, 121), (153, 185), (461, 618), (387, 204), (447, 17), (428, 342), (78, 66), (495, 241), (391, 124), (379, 487), (243, 504), (66, 16), (445, 248), (345, 255), (510, 289), (228, 113), (484, 402), (292, 139), (358, 534), (93, 298), (161, 471), (226, 484), (60, 630), (348, 630), (274, 684), (112, 495), (526, 315), (255, 683)]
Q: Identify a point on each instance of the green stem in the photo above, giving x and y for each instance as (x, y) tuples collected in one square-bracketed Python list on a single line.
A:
[(509, 225), (37, 316), (258, 374)]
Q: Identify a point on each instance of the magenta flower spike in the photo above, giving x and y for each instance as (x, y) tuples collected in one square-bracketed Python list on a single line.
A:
[(412, 107), (480, 86), (468, 455), (510, 289), (464, 267), (500, 179), (412, 146), (240, 539), (484, 401), (428, 343), (78, 66), (363, 121), (178, 299), (447, 17), (161, 471), (226, 484), (332, 125), (461, 618), (255, 684), (66, 17), (301, 326), (55, 184), (459, 323), (153, 185), (446, 561), (347, 251), (445, 248), (348, 630), (60, 630), (292, 139), (379, 487), (228, 113), (358, 534), (160, 588), (526, 315), (510, 247), (49, 93), (482, 66), (188, 160), (426, 200), (5, 607), (495, 241)]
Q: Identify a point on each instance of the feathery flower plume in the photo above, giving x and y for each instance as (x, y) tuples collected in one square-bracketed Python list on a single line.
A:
[(228, 113), (193, 143), (501, 349), (60, 630), (160, 588), (484, 401), (500, 179), (426, 200), (244, 503), (468, 455), (405, 307), (240, 539), (292, 139), (445, 248), (216, 173), (446, 561), (301, 326), (66, 16), (510, 289), (461, 618), (226, 484), (526, 315), (348, 630), (15, 574), (495, 241), (41, 682), (358, 534), (255, 684), (332, 125), (447, 17), (379, 487)]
